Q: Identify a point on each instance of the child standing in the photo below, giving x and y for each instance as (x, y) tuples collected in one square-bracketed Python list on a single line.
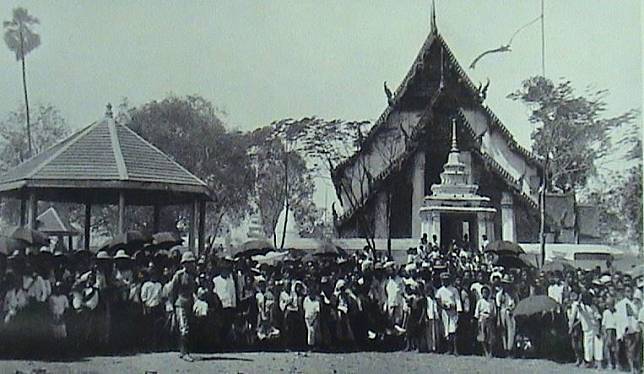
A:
[(58, 305), (485, 313), (609, 332), (311, 306)]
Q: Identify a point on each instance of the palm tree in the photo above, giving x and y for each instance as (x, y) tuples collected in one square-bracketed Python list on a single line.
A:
[(21, 40)]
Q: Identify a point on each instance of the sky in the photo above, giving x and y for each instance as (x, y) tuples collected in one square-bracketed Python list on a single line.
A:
[(262, 61), (266, 60)]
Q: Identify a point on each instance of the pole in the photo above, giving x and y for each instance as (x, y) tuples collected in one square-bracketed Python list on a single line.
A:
[(121, 223), (156, 213), (32, 213), (88, 222), (193, 224), (543, 41), (201, 228)]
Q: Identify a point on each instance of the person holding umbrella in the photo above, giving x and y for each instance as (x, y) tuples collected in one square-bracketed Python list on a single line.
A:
[(182, 291)]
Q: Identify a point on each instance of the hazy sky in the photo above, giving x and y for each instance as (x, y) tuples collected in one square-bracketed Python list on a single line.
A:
[(266, 60)]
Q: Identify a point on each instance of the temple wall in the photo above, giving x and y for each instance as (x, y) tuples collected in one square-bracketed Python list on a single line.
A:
[(385, 148), (495, 144)]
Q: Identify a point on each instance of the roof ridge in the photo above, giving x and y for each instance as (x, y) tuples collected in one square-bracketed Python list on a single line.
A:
[(72, 139), (160, 152), (116, 149)]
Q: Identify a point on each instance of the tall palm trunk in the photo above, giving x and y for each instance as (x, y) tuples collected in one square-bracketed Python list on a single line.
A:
[(24, 88), (542, 212), (286, 205)]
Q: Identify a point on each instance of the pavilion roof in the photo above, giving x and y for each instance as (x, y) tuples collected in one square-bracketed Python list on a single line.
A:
[(105, 155)]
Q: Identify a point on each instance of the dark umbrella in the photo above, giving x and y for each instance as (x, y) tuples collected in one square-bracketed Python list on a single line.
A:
[(558, 264), (513, 262), (9, 245), (128, 240), (535, 304), (32, 238), (252, 248), (329, 249), (503, 247), (165, 240)]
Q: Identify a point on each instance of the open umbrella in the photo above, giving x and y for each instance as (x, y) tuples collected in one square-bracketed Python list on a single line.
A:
[(558, 264), (271, 258), (504, 247), (252, 248), (513, 262), (128, 240), (9, 245), (327, 248), (165, 240), (535, 304), (32, 238), (637, 271)]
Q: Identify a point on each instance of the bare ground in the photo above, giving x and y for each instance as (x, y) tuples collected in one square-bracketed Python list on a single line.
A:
[(263, 362)]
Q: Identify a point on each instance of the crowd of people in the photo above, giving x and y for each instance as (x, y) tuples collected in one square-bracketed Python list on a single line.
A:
[(451, 300)]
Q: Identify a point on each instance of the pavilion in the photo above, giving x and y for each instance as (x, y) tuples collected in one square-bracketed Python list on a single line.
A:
[(107, 163)]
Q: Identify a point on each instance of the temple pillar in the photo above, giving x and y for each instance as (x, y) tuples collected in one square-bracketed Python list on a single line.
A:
[(418, 194), (381, 221), (485, 224), (434, 226), (508, 221)]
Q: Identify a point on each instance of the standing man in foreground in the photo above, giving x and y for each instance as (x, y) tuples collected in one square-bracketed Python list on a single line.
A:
[(183, 288)]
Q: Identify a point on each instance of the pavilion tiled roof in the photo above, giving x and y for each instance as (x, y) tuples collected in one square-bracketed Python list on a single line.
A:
[(105, 151)]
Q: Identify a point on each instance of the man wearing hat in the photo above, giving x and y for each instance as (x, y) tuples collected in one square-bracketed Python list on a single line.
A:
[(183, 287)]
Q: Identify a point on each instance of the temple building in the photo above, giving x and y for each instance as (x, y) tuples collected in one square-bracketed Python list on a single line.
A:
[(438, 161)]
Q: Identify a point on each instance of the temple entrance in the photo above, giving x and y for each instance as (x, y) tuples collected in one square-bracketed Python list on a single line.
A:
[(456, 226)]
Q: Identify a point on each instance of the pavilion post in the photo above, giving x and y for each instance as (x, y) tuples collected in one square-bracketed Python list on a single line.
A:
[(87, 225), (202, 228), (70, 243), (121, 223), (32, 213), (193, 225), (23, 212), (156, 213)]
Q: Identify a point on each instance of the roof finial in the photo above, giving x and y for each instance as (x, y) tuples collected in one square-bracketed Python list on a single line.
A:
[(108, 111), (433, 17), (454, 142)]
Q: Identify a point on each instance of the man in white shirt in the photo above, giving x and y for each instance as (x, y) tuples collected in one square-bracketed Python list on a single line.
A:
[(226, 291), (449, 300), (556, 290), (393, 290), (628, 331)]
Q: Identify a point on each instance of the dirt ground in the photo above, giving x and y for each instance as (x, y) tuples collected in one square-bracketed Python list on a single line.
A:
[(291, 363)]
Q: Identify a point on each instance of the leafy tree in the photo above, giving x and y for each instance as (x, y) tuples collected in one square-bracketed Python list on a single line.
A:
[(22, 39), (572, 134), (190, 130), (325, 144), (48, 127), (284, 183)]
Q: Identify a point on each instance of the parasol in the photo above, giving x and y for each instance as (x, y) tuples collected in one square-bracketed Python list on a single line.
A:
[(327, 248), (128, 240), (558, 264), (271, 258), (535, 304), (252, 248), (9, 245), (503, 247), (32, 238), (165, 240), (637, 271), (512, 262)]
